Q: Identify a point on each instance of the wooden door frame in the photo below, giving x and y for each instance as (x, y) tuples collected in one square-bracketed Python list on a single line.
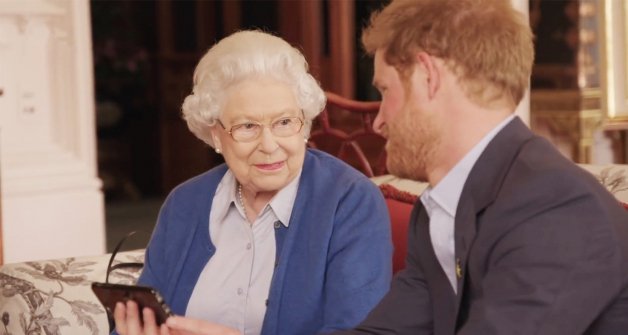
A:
[(336, 70)]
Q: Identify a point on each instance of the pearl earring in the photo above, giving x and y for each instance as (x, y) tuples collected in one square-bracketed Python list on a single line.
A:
[(305, 140), (217, 151)]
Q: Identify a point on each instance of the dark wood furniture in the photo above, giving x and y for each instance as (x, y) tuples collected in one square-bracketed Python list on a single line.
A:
[(323, 30), (345, 130)]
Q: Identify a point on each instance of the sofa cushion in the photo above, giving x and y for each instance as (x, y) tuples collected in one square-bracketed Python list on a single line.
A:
[(54, 297), (406, 185)]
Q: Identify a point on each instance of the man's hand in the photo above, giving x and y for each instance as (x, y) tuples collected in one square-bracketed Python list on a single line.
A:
[(179, 325)]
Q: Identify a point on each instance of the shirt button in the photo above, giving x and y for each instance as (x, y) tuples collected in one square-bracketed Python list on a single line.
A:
[(248, 246), (240, 291), (277, 224)]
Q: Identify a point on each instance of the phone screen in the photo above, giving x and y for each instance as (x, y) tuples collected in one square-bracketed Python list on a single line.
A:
[(144, 296)]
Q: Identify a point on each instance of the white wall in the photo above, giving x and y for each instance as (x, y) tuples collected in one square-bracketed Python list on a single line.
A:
[(52, 205), (523, 110)]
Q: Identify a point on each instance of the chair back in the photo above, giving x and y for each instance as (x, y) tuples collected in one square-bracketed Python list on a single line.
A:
[(345, 130)]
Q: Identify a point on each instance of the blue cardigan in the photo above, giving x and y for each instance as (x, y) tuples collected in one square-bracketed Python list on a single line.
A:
[(333, 261)]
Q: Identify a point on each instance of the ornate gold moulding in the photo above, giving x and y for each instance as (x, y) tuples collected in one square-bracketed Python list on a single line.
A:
[(574, 115)]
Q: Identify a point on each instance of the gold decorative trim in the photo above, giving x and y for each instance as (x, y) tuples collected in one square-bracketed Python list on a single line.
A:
[(573, 114), (618, 123), (567, 100)]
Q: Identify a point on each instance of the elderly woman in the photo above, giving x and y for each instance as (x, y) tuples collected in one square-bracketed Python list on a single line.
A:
[(281, 239)]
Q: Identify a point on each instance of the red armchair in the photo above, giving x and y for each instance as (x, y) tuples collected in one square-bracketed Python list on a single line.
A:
[(345, 130)]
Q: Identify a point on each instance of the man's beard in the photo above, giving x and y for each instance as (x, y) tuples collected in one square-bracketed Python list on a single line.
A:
[(413, 140)]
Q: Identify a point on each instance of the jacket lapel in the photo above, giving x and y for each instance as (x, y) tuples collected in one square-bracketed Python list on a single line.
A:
[(480, 190), (443, 297)]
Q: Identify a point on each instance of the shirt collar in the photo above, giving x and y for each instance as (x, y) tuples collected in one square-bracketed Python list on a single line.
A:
[(446, 193), (226, 197), (283, 201), (281, 204)]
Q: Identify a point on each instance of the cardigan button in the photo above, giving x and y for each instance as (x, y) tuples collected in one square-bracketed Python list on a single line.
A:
[(277, 224)]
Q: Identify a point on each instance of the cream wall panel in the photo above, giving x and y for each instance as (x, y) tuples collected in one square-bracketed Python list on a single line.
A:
[(523, 110), (52, 205), (615, 58)]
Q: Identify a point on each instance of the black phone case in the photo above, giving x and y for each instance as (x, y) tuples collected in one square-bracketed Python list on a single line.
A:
[(144, 296)]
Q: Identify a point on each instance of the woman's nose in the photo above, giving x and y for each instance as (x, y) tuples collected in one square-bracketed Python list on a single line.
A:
[(268, 142)]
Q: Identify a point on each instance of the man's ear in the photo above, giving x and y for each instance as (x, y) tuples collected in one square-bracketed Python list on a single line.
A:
[(432, 72)]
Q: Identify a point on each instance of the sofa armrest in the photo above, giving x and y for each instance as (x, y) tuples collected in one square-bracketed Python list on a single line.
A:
[(400, 195), (55, 296)]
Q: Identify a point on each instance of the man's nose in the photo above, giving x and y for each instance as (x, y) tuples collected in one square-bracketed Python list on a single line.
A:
[(378, 123)]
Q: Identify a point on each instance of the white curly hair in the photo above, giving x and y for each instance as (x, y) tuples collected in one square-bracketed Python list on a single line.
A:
[(240, 56)]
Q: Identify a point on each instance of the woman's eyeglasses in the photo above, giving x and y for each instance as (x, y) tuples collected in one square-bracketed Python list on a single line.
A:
[(251, 130)]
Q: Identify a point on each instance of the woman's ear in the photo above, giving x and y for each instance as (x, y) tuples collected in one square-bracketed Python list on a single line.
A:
[(216, 139)]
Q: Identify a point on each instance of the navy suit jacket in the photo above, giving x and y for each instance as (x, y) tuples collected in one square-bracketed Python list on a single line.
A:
[(541, 246)]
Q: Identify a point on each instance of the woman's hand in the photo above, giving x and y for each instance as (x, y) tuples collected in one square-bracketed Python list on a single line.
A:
[(128, 322), (179, 325)]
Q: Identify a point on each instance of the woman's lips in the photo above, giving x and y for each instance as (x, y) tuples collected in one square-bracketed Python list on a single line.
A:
[(270, 167)]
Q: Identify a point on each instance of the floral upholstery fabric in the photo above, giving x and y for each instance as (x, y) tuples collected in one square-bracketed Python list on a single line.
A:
[(614, 177), (54, 297)]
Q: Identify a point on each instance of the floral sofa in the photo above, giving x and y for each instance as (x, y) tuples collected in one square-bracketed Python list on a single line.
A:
[(54, 297)]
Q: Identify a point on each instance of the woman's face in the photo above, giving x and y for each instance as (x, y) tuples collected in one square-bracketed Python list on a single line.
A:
[(270, 162)]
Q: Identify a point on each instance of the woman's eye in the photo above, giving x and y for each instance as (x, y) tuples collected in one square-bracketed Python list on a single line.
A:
[(248, 126), (284, 122)]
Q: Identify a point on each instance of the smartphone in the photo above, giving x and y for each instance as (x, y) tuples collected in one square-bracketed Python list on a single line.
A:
[(144, 296)]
